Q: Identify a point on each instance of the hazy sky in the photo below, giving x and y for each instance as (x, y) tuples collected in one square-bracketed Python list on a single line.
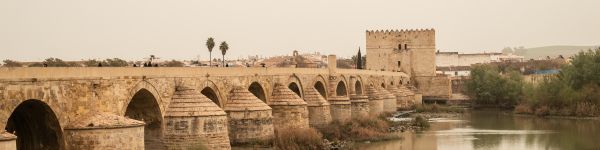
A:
[(177, 29)]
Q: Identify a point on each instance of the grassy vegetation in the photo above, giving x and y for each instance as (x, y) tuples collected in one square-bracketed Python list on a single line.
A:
[(421, 122), (298, 139), (373, 128)]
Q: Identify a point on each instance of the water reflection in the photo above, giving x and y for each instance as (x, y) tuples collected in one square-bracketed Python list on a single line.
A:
[(498, 130)]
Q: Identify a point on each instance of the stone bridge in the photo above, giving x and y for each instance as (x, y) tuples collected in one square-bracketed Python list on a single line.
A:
[(95, 108)]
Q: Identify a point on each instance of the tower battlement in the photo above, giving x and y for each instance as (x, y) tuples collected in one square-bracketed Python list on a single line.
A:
[(401, 32)]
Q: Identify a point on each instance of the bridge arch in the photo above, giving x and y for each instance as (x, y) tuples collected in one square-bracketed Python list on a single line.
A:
[(356, 85), (319, 85), (145, 106), (258, 90), (212, 92), (295, 85), (36, 126), (341, 88), (358, 88)]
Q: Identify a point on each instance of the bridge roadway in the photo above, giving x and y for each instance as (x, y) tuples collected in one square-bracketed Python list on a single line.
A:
[(37, 103)]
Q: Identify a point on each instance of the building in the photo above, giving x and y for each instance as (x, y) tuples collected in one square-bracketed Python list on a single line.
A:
[(411, 52)]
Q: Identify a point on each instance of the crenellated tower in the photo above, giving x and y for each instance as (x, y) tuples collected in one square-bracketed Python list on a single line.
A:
[(410, 51)]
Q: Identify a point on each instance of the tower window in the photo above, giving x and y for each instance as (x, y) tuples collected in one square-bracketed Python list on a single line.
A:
[(400, 46), (399, 63), (405, 46)]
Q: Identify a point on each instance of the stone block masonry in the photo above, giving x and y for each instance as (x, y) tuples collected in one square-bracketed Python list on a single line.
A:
[(250, 120), (104, 131)]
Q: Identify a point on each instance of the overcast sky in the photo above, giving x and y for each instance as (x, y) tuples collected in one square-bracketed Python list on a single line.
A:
[(31, 30)]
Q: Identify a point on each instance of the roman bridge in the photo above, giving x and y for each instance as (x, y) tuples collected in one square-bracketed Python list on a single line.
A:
[(133, 108)]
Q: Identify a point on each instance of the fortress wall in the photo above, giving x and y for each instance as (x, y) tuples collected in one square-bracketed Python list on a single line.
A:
[(437, 87)]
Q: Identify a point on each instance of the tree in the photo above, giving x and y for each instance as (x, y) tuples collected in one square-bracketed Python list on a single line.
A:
[(210, 44), (115, 62), (359, 61), (12, 63), (174, 63), (224, 47), (56, 62), (488, 86), (507, 50), (91, 63)]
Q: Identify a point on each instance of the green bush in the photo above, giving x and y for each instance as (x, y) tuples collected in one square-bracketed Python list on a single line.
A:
[(489, 86)]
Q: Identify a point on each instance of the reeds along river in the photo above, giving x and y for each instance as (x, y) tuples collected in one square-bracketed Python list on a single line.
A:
[(498, 130)]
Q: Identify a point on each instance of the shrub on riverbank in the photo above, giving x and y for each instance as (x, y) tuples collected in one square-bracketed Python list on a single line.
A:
[(296, 139), (575, 91), (372, 128), (421, 121), (491, 86)]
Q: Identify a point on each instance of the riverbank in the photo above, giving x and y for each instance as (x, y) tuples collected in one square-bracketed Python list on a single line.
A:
[(345, 135)]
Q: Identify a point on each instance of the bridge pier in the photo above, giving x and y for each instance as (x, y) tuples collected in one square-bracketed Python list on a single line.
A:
[(194, 122), (360, 105), (375, 101), (401, 103), (389, 100), (8, 141), (289, 110), (410, 95), (250, 119), (319, 113), (340, 108), (100, 131)]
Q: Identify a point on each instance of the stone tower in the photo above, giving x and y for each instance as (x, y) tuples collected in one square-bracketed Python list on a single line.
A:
[(408, 51)]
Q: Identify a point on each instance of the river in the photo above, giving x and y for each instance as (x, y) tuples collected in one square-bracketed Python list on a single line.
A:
[(497, 130)]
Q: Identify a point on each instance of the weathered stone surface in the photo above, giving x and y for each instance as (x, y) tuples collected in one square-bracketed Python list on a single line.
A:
[(8, 141), (401, 100), (389, 100), (360, 105), (289, 110), (410, 95), (74, 91), (104, 131), (194, 121), (250, 119), (340, 108), (319, 113), (375, 101)]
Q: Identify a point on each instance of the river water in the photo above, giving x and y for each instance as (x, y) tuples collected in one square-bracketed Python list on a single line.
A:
[(497, 130)]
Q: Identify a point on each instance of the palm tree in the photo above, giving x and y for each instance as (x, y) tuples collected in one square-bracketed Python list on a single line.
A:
[(210, 43), (224, 47)]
